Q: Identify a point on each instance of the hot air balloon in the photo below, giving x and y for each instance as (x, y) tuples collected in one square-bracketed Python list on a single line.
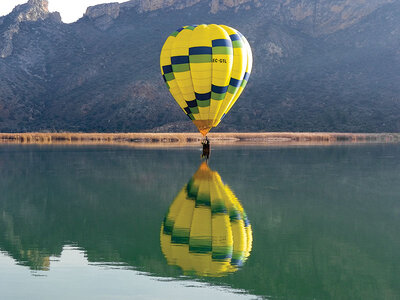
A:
[(206, 231), (206, 68)]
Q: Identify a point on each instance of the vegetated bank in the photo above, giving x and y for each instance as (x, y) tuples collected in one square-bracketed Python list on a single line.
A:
[(193, 139)]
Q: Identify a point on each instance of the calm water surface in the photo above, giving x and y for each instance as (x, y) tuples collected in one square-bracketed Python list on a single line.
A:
[(121, 223)]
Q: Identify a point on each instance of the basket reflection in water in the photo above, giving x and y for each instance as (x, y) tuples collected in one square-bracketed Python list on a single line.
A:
[(206, 231)]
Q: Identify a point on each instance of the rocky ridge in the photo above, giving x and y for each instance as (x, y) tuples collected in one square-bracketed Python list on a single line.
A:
[(32, 11), (103, 15), (317, 16)]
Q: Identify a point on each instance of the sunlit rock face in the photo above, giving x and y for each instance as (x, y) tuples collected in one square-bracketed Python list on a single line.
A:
[(325, 16), (318, 17), (153, 5), (103, 15), (32, 11)]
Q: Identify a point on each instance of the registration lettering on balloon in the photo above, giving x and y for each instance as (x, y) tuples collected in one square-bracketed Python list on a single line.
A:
[(206, 68), (221, 60)]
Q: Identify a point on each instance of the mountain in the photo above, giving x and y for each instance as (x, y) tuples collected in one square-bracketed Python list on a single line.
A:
[(319, 65)]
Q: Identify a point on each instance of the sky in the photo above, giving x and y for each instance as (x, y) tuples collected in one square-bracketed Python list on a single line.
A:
[(70, 10)]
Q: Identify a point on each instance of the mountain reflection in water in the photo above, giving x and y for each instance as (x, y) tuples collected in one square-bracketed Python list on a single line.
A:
[(206, 231)]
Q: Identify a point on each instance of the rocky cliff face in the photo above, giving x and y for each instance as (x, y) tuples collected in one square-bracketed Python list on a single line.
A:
[(319, 65), (316, 16), (32, 11), (320, 17), (103, 15)]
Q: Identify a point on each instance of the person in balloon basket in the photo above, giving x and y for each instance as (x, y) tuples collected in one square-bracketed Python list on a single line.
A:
[(206, 148)]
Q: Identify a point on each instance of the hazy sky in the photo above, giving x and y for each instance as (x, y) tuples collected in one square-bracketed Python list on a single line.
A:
[(70, 10)]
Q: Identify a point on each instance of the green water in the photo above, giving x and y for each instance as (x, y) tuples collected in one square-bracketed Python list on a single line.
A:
[(84, 222)]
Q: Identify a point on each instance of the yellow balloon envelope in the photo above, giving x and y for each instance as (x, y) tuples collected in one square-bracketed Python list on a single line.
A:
[(206, 68), (206, 231)]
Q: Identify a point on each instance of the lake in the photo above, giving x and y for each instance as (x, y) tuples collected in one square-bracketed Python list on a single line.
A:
[(104, 222)]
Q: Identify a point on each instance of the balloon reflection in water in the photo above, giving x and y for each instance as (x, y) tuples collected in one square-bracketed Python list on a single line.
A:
[(206, 231)]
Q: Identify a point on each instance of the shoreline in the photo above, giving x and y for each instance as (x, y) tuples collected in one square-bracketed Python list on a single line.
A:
[(194, 139)]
